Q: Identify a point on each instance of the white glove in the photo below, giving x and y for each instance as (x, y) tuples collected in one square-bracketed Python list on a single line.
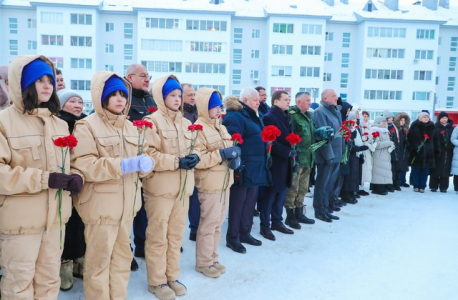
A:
[(374, 144), (390, 149), (142, 163)]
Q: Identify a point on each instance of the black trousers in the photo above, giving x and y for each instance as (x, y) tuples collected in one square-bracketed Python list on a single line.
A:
[(74, 243), (242, 201), (439, 182), (455, 182)]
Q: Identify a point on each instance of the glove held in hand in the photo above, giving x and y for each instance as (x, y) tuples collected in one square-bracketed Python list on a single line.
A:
[(58, 181), (141, 163)]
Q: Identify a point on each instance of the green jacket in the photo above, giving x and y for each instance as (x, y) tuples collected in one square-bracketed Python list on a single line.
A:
[(304, 127)]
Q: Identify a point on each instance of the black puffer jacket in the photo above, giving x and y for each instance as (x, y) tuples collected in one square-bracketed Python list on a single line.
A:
[(141, 102), (70, 119), (444, 159), (422, 153), (402, 153)]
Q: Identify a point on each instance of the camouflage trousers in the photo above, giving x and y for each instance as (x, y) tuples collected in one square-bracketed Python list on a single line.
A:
[(299, 188)]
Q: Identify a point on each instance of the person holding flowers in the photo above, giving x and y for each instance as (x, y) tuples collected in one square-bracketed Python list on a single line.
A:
[(367, 138), (242, 117), (381, 169), (33, 207), (214, 177), (174, 147), (424, 146), (108, 160), (402, 122)]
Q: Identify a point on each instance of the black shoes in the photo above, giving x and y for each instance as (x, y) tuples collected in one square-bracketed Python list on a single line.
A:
[(363, 193), (405, 185), (350, 200), (192, 236), (281, 228), (291, 219), (391, 190), (300, 216), (236, 247), (398, 189), (331, 216), (380, 193), (133, 265), (323, 217), (251, 241), (268, 234), (443, 191), (256, 213), (333, 207), (433, 190)]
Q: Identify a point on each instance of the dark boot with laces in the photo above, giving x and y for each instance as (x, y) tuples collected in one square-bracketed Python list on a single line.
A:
[(301, 217), (291, 219)]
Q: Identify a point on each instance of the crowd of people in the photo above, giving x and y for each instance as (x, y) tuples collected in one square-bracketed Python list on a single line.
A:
[(153, 154)]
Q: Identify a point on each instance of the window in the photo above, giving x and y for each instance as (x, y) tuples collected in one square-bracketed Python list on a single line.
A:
[(238, 34), (128, 51), (425, 34), (205, 46), (31, 23), (109, 48), (327, 76), (344, 80), (386, 32), (451, 84), (162, 66), (52, 40), (81, 41), (282, 71), (452, 64), (160, 23), (254, 53), (80, 85), (220, 88), (237, 53), (236, 76), (385, 53), (128, 30), (311, 50), (283, 28), (453, 43), (384, 74), (437, 80), (162, 45), (329, 36), (109, 68), (438, 60), (345, 60), (13, 47), (449, 103), (343, 97), (422, 75), (282, 49), (52, 18), (32, 45), (254, 74), (81, 19), (424, 54), (311, 29), (208, 68), (346, 40), (13, 25), (205, 25), (256, 33), (109, 27), (236, 92), (274, 89), (81, 63), (382, 95), (374, 114), (423, 96), (310, 72), (314, 92), (328, 57), (58, 61)]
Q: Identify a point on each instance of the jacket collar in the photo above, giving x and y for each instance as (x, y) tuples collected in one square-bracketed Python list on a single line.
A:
[(189, 108), (332, 108), (139, 93)]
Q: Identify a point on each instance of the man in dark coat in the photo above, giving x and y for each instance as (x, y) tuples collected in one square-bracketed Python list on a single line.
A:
[(281, 169), (440, 174), (242, 117), (327, 157), (142, 100), (402, 123), (263, 107)]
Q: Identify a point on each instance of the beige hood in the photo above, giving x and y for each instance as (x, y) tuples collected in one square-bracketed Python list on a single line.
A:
[(202, 98), (157, 93)]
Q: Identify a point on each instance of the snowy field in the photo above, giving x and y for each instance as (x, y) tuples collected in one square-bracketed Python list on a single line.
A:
[(401, 246)]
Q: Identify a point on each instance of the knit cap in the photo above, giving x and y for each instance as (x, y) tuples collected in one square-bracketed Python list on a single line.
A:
[(421, 115), (379, 120), (34, 71), (442, 114), (169, 86), (214, 101), (65, 94), (113, 84), (387, 114), (351, 116)]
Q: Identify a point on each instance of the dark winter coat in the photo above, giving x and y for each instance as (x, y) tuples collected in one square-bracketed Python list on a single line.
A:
[(190, 112), (403, 154), (444, 159), (352, 175), (263, 108), (424, 157), (70, 119), (394, 137), (281, 169), (141, 102), (329, 115), (242, 119)]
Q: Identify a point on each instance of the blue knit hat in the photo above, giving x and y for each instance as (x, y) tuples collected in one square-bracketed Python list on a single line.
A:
[(34, 71), (170, 85), (214, 101), (113, 84)]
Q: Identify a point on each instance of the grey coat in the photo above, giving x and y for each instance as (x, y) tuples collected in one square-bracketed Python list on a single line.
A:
[(454, 140), (381, 168), (329, 115)]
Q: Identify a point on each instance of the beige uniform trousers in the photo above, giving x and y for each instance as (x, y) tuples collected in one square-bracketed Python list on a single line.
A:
[(31, 265), (108, 259), (164, 236), (299, 188), (213, 210)]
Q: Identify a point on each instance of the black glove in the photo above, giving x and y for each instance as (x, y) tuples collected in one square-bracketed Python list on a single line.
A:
[(234, 163), (75, 185), (193, 160), (269, 162), (296, 168), (363, 148), (361, 159), (58, 181), (230, 153), (292, 153), (238, 177)]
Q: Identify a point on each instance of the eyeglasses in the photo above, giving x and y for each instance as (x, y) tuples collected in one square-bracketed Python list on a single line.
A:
[(143, 76)]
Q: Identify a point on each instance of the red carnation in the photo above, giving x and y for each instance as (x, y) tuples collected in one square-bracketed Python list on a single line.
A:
[(152, 109), (426, 136), (293, 139), (270, 133), (67, 141), (364, 127), (195, 127), (375, 134), (407, 132), (345, 132), (443, 131), (366, 133), (237, 139), (140, 124), (392, 130), (222, 116)]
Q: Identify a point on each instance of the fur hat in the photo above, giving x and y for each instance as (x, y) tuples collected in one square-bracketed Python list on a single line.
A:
[(421, 115)]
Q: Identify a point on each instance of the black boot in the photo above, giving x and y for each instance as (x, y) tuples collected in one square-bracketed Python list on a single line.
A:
[(301, 217), (291, 219)]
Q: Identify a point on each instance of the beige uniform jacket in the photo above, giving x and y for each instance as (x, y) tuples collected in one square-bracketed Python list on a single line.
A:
[(27, 156), (211, 173), (104, 139), (169, 140)]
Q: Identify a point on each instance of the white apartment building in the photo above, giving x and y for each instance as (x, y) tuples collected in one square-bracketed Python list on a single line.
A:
[(379, 55)]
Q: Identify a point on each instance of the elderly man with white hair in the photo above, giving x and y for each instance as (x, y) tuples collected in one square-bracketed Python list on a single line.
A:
[(243, 117)]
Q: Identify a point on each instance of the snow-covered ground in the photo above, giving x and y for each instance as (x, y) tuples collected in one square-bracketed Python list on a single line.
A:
[(400, 246)]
